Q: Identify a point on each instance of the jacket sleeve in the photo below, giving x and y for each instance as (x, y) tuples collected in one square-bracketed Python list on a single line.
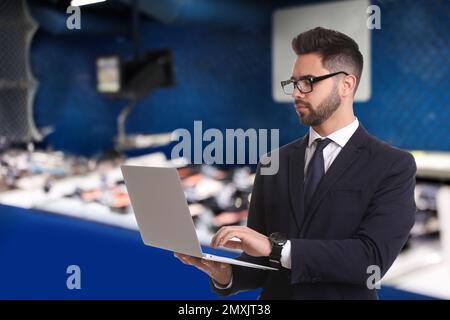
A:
[(381, 235), (245, 278)]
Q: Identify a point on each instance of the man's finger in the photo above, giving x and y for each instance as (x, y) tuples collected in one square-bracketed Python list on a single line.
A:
[(219, 234), (233, 245), (204, 266), (229, 235), (182, 257), (192, 260), (215, 266), (212, 264), (187, 259), (179, 257)]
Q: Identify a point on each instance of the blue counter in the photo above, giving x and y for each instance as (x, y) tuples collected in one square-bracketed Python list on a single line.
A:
[(36, 248)]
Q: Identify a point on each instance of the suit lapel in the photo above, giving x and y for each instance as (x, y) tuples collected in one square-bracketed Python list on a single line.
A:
[(296, 177), (343, 161)]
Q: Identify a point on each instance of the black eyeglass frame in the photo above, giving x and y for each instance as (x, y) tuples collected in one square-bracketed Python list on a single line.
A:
[(311, 80)]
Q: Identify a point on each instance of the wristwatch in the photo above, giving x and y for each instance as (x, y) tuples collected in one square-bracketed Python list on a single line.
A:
[(277, 240)]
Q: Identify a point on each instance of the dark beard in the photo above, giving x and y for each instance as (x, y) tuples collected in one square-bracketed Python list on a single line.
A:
[(323, 111)]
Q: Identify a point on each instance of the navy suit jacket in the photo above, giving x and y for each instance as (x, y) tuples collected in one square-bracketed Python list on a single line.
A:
[(360, 215)]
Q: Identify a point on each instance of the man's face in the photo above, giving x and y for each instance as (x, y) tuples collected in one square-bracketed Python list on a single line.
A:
[(315, 107)]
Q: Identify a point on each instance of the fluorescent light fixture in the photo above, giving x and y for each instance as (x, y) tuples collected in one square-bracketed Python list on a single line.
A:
[(78, 3)]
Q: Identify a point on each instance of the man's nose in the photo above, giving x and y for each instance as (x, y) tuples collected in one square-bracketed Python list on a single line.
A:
[(297, 94)]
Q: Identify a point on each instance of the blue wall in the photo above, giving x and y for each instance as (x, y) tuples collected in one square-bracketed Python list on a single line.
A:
[(223, 78)]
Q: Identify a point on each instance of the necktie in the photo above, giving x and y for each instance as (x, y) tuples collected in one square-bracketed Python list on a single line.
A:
[(315, 170)]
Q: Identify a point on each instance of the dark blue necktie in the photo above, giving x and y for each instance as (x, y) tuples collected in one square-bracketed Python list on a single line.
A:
[(315, 170)]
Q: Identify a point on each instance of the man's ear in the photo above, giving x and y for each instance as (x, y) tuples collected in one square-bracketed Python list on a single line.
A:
[(348, 85)]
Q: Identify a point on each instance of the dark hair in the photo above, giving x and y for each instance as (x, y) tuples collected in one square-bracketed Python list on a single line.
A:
[(338, 51)]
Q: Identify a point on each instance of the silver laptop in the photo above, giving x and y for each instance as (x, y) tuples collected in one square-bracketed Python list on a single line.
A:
[(162, 213)]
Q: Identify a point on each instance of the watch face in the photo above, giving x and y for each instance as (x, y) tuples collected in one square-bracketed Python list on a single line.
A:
[(278, 237)]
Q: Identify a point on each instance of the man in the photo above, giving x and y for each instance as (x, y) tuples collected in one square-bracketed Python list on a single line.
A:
[(342, 202)]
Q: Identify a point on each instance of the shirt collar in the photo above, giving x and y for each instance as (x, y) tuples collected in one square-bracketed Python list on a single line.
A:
[(340, 136)]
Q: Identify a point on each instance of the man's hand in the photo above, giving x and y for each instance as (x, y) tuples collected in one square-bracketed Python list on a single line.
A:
[(219, 272), (251, 242)]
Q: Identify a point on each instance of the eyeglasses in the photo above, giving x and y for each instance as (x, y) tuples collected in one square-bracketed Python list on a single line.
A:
[(305, 84)]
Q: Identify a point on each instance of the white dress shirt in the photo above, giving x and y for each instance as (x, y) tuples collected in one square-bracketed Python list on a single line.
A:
[(338, 139)]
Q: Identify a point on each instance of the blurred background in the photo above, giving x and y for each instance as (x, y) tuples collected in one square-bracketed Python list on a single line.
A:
[(86, 89)]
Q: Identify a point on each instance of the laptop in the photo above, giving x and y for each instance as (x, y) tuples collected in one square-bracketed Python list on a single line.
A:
[(162, 213)]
